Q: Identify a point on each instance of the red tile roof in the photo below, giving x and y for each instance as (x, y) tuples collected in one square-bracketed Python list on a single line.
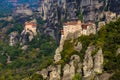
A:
[(31, 23), (72, 23)]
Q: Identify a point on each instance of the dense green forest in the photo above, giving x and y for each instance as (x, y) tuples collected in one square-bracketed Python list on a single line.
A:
[(24, 64)]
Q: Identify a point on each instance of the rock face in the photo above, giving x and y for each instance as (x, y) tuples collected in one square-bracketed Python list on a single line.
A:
[(98, 62), (8, 58), (57, 56), (78, 47), (56, 12), (92, 9), (13, 38), (73, 67), (92, 65), (88, 69), (52, 7), (52, 72), (44, 73), (69, 71), (114, 6), (55, 73), (105, 76), (88, 62)]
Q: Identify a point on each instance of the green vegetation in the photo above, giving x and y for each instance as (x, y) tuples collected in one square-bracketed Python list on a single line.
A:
[(77, 77), (3, 23), (67, 51), (108, 38), (80, 15), (17, 27), (36, 77), (24, 64)]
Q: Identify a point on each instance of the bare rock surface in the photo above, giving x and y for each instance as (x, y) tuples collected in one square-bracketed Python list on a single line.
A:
[(70, 69), (13, 40), (98, 62), (78, 47), (88, 61)]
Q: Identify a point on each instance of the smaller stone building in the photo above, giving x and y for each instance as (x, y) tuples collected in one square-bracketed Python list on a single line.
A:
[(88, 28), (31, 27), (30, 30)]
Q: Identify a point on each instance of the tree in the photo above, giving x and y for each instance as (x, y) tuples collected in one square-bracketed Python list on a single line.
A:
[(77, 77), (37, 77), (80, 15)]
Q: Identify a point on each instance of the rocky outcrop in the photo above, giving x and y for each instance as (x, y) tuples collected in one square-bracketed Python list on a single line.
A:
[(8, 58), (91, 9), (44, 73), (66, 10), (57, 56), (92, 65), (114, 6), (69, 71), (98, 62), (13, 40), (51, 73), (88, 61), (54, 72), (56, 12), (52, 7), (78, 47), (73, 67), (90, 68), (105, 76)]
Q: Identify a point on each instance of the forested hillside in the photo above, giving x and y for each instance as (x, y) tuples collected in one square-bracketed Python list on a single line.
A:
[(16, 63)]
